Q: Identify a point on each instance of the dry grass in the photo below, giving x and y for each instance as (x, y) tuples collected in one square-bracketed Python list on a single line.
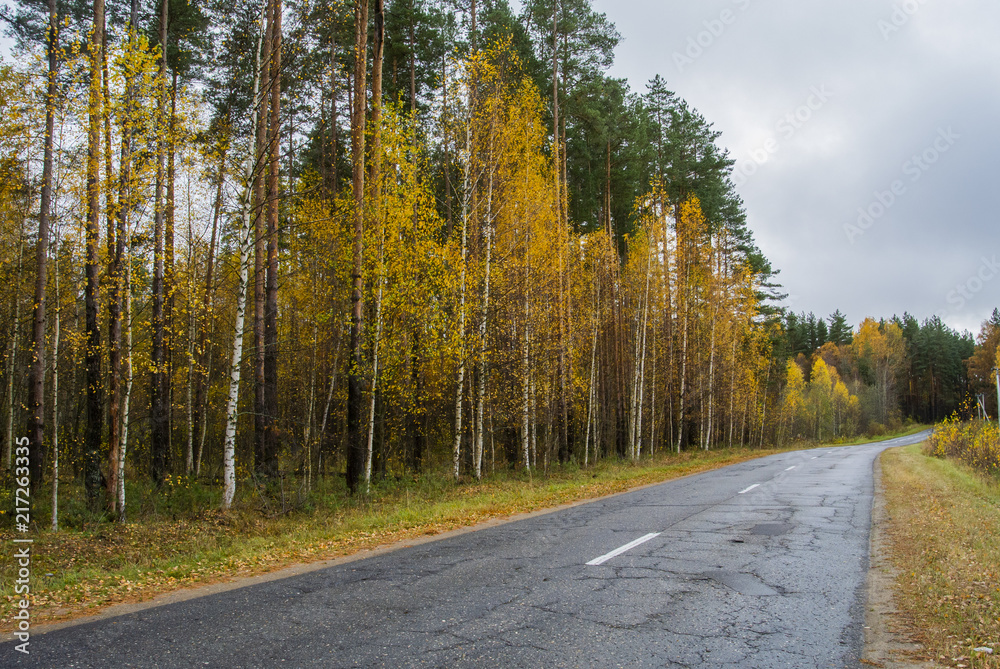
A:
[(944, 530)]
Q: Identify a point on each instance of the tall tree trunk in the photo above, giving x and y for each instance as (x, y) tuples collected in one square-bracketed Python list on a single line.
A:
[(333, 385), (12, 358), (413, 73), (113, 212), (116, 250), (467, 179), (129, 371), (683, 298), (56, 334), (652, 400), (92, 357), (669, 322), (309, 431), (448, 197), (208, 297), (36, 380), (160, 418), (557, 164), (591, 394), (335, 189), (477, 454), (640, 372), (375, 370), (251, 172), (270, 451), (481, 400), (170, 267), (191, 343), (732, 394), (525, 347), (375, 169), (763, 414), (473, 27), (711, 365), (375, 150), (355, 380), (260, 248)]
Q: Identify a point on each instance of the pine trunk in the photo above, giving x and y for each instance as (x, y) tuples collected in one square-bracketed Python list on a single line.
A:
[(203, 353), (92, 357), (355, 380), (270, 446), (159, 420), (260, 207), (36, 380)]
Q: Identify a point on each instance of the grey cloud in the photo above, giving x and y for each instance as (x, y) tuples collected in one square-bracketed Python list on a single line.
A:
[(894, 90)]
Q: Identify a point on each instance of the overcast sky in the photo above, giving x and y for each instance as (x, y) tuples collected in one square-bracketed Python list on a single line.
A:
[(832, 109)]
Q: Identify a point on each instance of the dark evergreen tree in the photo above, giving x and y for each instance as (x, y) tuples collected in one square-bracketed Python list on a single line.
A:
[(840, 332)]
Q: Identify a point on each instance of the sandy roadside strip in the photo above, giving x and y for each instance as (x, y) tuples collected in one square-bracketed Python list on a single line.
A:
[(883, 646)]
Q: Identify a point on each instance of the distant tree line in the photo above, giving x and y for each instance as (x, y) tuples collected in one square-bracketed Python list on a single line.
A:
[(891, 370)]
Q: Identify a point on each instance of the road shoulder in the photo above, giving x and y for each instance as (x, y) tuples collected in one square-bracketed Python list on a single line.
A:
[(883, 645)]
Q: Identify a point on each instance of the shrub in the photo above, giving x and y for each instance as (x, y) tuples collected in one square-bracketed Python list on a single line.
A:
[(977, 443)]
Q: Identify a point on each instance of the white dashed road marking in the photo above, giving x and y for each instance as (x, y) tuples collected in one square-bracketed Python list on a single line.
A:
[(618, 551)]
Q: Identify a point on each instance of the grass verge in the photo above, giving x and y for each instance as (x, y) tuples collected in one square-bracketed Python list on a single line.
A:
[(82, 571), (944, 538)]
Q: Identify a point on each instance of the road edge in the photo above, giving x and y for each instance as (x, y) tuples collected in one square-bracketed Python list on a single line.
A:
[(882, 646)]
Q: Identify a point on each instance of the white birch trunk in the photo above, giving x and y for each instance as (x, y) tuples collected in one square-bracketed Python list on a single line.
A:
[(525, 358), (204, 415), (711, 380), (732, 394), (763, 414), (642, 378), (481, 399), (711, 387), (593, 361), (456, 458), (635, 426), (333, 385), (55, 402), (229, 445), (526, 410), (312, 408), (635, 385), (652, 403), (534, 425), (13, 353), (129, 371), (378, 337), (683, 377), (189, 463)]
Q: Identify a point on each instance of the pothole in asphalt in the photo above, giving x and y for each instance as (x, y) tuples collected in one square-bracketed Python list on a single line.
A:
[(771, 529)]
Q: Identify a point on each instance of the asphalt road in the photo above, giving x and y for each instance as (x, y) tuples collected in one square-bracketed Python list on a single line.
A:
[(761, 564)]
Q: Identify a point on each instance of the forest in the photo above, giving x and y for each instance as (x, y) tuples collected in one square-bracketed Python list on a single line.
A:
[(297, 240)]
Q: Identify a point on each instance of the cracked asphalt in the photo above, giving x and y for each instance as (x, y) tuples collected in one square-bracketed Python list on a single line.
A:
[(761, 564)]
